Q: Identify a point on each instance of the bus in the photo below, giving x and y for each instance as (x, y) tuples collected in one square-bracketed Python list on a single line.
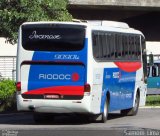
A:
[(85, 68), (153, 74)]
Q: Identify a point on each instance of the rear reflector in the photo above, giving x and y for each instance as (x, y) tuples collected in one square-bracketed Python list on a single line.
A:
[(87, 88), (18, 86)]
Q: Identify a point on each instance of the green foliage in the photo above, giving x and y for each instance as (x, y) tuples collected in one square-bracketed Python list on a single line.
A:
[(14, 12), (153, 100), (7, 95), (7, 89)]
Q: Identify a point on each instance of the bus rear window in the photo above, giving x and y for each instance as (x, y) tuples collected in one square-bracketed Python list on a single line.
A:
[(53, 37)]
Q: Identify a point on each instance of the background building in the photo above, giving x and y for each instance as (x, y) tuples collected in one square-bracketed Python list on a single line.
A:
[(7, 59), (140, 14)]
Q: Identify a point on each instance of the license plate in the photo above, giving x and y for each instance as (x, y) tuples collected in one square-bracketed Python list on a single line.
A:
[(51, 96)]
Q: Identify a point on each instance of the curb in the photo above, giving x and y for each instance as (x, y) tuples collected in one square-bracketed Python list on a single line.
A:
[(150, 107)]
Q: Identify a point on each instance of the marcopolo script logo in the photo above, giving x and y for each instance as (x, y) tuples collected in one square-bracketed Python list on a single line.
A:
[(73, 77), (34, 35), (64, 56)]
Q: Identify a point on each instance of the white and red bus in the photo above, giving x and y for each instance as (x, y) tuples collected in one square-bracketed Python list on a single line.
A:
[(72, 67)]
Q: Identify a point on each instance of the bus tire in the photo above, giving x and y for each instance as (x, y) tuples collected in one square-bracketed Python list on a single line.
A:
[(132, 111), (41, 118), (104, 115)]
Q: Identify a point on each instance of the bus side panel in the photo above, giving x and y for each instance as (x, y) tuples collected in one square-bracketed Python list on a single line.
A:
[(121, 86), (97, 90), (141, 86)]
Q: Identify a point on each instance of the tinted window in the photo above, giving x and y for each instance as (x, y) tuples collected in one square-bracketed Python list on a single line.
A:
[(116, 46), (55, 37)]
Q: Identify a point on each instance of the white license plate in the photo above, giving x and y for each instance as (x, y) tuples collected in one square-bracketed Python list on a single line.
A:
[(51, 96)]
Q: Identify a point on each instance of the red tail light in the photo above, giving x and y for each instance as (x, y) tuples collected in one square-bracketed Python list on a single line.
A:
[(87, 88), (18, 86)]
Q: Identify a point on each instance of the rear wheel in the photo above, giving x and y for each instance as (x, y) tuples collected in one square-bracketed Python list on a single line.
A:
[(104, 115), (132, 111)]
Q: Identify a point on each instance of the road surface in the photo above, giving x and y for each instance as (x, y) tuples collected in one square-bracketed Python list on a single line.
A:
[(146, 122)]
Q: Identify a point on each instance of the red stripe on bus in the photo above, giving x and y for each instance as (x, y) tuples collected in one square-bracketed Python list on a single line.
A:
[(129, 66), (60, 90)]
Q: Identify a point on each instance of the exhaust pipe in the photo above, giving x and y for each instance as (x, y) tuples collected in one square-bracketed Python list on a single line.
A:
[(31, 107)]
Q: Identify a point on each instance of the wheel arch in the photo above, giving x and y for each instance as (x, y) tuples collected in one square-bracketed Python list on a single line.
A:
[(137, 92), (106, 96)]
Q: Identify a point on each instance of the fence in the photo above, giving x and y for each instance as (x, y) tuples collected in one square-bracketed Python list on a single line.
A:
[(8, 67)]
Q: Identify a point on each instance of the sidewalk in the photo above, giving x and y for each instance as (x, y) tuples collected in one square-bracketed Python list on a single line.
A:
[(149, 107)]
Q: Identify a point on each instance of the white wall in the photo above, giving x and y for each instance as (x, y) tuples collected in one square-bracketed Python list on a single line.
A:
[(7, 62), (153, 47), (7, 49)]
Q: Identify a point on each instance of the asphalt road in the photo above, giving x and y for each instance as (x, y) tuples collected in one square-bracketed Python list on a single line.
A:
[(153, 91), (146, 122)]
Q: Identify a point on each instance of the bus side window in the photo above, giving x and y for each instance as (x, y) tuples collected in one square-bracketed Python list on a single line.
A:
[(158, 69), (100, 47), (154, 71), (123, 46), (129, 46), (107, 45), (119, 46), (112, 45), (95, 44), (126, 46), (116, 45), (148, 71), (132, 47), (104, 45), (138, 52)]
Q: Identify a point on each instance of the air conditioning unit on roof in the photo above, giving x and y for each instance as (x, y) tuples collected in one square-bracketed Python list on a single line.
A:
[(108, 23)]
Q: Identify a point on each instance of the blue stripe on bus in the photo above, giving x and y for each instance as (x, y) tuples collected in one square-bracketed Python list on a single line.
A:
[(121, 86), (35, 83)]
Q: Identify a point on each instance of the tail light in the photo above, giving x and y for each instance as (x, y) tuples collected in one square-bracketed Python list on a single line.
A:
[(87, 88), (18, 86)]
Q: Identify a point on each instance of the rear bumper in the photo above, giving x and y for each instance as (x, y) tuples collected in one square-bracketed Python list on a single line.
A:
[(54, 106)]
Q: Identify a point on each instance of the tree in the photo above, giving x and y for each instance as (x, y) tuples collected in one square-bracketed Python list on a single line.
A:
[(14, 12)]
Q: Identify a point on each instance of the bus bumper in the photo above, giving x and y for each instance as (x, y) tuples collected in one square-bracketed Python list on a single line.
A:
[(54, 106)]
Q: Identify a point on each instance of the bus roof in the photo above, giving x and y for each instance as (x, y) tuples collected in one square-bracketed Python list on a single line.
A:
[(101, 25), (113, 26), (55, 22), (108, 23)]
